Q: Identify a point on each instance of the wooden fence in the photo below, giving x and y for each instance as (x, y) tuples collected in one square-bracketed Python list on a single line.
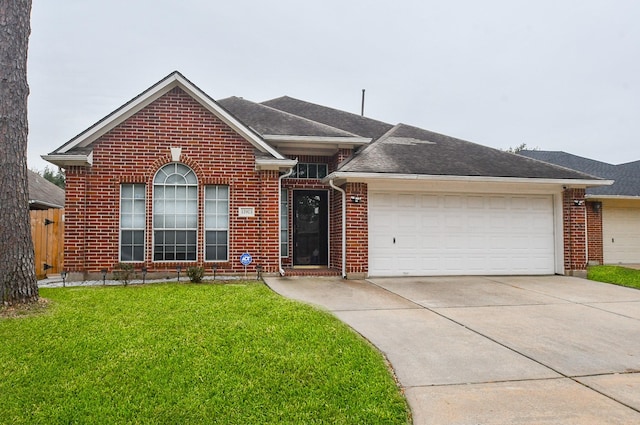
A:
[(47, 230)]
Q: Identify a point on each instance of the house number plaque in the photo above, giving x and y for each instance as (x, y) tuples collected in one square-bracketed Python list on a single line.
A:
[(246, 212)]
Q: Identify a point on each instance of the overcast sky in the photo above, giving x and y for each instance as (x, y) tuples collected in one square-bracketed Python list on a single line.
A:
[(554, 74)]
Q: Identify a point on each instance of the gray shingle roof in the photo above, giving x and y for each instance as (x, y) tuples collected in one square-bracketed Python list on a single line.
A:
[(411, 150), (399, 149), (626, 176), (356, 124), (43, 194), (269, 121)]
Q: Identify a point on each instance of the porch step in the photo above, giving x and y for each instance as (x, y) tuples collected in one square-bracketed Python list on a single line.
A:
[(311, 272)]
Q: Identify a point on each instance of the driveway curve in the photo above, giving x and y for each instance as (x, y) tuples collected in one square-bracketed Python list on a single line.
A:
[(496, 350)]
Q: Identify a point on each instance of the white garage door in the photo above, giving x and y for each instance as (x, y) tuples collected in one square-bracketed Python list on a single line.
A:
[(621, 235), (416, 234)]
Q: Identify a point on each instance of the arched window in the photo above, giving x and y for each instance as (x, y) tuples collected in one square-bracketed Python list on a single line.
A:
[(175, 213)]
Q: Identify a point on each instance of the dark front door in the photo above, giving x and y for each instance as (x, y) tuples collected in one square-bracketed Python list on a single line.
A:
[(310, 223)]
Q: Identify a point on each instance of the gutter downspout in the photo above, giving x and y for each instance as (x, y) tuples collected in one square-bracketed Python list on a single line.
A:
[(344, 228), (285, 175)]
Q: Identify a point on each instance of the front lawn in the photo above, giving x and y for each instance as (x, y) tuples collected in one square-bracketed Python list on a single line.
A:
[(615, 274), (183, 353)]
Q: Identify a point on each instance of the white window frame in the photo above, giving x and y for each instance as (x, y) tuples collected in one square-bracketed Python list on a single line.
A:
[(137, 219), (214, 220), (190, 181)]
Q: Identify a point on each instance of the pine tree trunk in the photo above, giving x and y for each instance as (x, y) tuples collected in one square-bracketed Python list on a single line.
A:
[(18, 282)]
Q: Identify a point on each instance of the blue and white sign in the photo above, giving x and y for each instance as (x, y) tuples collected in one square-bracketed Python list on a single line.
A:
[(245, 259)]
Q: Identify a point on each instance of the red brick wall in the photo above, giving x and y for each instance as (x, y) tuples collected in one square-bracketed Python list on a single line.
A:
[(74, 226), (357, 229), (594, 232), (339, 157), (574, 217), (134, 151)]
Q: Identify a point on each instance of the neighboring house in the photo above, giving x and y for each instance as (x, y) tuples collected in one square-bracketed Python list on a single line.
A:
[(175, 179), (43, 194), (46, 202), (613, 212)]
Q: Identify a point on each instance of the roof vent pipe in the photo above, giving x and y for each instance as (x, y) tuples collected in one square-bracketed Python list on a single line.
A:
[(362, 107)]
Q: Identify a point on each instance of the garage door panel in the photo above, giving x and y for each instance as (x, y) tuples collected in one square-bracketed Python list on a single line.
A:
[(406, 200), (520, 203), (452, 202), (476, 242), (429, 202), (448, 234), (497, 203), (475, 202)]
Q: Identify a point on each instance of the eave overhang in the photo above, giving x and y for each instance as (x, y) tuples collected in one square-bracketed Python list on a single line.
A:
[(343, 177), (615, 197), (318, 145), (71, 160), (47, 205), (275, 164)]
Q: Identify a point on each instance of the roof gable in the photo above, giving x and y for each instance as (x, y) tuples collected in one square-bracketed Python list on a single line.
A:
[(78, 148)]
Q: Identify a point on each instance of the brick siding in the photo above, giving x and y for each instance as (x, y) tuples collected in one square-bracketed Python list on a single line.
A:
[(357, 229), (594, 232), (134, 151), (574, 221)]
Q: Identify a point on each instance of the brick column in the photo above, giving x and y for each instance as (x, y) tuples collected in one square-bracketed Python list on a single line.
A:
[(594, 233), (575, 232), (357, 230)]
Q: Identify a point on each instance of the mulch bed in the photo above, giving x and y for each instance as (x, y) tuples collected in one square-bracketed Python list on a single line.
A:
[(24, 310)]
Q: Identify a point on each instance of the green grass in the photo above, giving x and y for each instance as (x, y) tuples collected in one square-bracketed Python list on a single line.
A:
[(180, 354), (615, 274)]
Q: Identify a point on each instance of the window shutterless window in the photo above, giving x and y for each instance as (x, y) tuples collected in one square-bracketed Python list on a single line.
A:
[(132, 222), (175, 213), (216, 223), (305, 170)]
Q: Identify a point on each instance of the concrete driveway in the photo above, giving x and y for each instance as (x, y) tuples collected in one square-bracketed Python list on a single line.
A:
[(497, 350)]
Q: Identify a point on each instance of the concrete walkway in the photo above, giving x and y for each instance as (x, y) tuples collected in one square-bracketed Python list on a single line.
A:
[(497, 350)]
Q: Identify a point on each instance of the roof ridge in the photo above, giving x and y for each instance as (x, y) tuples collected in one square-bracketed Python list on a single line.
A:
[(324, 106), (316, 123), (337, 118)]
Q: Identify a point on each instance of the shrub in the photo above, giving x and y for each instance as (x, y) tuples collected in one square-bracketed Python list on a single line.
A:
[(195, 274), (124, 272)]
